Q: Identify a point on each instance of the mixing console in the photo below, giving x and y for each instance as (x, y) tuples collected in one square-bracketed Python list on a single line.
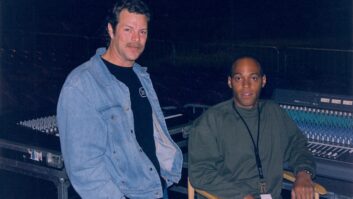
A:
[(327, 122), (44, 124), (329, 132)]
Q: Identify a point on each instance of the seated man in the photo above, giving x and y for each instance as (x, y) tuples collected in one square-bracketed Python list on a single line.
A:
[(237, 148)]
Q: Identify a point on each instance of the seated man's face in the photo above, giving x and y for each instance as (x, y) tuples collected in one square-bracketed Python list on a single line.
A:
[(246, 82)]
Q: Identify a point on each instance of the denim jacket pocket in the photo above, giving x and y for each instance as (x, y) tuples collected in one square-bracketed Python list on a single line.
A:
[(116, 122), (111, 113)]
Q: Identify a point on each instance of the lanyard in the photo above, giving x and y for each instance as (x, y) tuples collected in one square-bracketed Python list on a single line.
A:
[(256, 146)]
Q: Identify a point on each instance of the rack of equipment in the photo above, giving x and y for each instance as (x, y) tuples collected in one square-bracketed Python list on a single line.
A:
[(31, 146)]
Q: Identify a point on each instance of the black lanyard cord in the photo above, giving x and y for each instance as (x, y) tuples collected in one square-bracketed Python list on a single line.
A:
[(256, 146)]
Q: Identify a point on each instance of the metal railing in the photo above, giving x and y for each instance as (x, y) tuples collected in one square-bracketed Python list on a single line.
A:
[(193, 70), (323, 70)]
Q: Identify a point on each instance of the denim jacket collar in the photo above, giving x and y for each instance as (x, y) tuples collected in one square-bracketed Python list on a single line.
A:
[(103, 75)]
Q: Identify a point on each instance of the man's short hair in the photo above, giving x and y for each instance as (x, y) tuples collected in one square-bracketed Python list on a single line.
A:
[(133, 6), (257, 60)]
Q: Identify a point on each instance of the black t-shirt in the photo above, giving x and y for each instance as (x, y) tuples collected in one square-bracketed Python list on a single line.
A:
[(141, 108)]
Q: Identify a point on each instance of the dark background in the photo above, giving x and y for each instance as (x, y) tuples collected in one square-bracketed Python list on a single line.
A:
[(303, 45), (320, 22), (191, 46)]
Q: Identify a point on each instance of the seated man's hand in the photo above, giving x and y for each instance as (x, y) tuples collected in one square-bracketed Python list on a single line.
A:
[(249, 196), (303, 187)]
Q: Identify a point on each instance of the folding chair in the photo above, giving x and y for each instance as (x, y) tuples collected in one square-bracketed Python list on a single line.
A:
[(319, 189)]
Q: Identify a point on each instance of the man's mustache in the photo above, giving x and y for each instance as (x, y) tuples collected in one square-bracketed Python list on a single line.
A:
[(134, 45)]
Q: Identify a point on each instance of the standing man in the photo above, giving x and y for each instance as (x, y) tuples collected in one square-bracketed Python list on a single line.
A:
[(113, 135), (237, 148)]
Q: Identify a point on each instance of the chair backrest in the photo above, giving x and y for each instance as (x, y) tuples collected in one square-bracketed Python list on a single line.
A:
[(191, 192)]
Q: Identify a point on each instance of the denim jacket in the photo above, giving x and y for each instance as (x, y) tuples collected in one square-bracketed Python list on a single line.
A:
[(102, 156)]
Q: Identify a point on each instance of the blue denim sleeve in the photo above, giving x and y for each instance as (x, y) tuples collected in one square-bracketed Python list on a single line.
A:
[(83, 139)]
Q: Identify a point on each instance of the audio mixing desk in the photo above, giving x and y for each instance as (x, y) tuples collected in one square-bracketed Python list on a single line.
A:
[(327, 122)]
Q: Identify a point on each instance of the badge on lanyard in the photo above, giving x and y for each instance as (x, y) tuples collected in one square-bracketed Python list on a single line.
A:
[(262, 183), (265, 196), (263, 187)]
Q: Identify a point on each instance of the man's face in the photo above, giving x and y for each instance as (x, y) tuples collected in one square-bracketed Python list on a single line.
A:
[(246, 82), (128, 40)]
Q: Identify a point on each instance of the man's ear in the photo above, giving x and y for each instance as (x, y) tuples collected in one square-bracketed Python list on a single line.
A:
[(110, 31), (264, 80), (230, 82)]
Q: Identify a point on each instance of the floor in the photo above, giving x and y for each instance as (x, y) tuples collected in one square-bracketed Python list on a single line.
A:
[(17, 186)]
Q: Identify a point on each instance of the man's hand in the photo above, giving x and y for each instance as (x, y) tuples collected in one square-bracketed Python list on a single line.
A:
[(303, 187), (249, 196)]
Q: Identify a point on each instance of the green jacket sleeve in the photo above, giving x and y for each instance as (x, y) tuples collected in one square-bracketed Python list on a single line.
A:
[(297, 154)]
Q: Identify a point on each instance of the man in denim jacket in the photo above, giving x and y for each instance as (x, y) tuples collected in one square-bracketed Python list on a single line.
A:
[(114, 138)]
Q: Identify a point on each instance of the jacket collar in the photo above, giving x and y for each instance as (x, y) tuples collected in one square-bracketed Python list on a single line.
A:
[(100, 71)]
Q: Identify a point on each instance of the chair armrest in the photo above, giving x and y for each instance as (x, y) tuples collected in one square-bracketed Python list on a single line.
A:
[(317, 187), (286, 175)]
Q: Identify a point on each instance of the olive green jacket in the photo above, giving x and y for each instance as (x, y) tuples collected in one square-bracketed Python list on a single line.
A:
[(221, 154)]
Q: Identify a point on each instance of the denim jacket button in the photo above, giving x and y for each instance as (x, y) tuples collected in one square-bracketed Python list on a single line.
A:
[(151, 169), (132, 131), (140, 150)]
